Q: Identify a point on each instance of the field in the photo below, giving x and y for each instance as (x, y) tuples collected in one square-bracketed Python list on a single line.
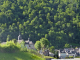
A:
[(19, 56)]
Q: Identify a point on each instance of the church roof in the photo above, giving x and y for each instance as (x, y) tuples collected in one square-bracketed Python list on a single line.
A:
[(19, 41), (28, 42)]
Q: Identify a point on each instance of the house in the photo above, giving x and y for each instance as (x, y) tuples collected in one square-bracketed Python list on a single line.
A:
[(68, 49), (62, 54), (71, 54), (66, 52), (51, 54), (79, 51)]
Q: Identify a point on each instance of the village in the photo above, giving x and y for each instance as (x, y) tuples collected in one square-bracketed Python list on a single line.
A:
[(62, 53)]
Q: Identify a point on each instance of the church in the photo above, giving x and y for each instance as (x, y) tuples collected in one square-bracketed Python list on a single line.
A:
[(29, 44)]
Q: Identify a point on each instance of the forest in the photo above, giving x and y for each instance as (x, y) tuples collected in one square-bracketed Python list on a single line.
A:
[(56, 20)]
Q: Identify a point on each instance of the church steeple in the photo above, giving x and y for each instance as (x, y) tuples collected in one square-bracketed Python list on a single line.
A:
[(19, 37), (28, 39)]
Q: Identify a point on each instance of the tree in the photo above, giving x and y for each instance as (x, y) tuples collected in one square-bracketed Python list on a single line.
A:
[(44, 42), (56, 54), (38, 45), (52, 49), (56, 20), (8, 38), (67, 45), (15, 41)]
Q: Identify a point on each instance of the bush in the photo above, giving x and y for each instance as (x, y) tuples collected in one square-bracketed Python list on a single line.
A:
[(9, 47), (77, 57), (69, 57), (23, 48)]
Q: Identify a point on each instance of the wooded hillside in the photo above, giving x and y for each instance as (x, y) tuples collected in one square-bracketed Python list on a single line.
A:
[(56, 20)]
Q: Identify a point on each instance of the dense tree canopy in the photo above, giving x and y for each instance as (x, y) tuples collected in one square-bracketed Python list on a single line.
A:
[(38, 45), (56, 20), (44, 42)]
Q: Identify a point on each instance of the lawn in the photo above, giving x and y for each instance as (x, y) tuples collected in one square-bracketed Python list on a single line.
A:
[(19, 56)]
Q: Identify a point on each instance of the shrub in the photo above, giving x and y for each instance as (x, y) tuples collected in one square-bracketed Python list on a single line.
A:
[(69, 57), (9, 47), (23, 48)]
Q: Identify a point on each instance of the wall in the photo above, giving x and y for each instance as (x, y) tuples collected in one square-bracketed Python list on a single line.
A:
[(62, 55), (67, 59), (30, 46), (27, 46)]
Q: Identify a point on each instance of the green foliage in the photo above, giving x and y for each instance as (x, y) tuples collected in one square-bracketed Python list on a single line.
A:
[(56, 54), (38, 45), (19, 56), (56, 20), (8, 38), (15, 41), (9, 47), (34, 52), (67, 45), (52, 48), (23, 48), (44, 42)]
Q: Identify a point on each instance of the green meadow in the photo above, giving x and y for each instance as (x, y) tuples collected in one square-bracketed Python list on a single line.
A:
[(19, 56)]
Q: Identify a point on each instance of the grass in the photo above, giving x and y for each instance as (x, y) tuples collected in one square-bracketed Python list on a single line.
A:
[(19, 56), (77, 57), (38, 54), (35, 53), (48, 57)]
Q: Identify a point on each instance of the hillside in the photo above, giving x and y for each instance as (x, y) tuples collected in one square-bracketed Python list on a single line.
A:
[(56, 20), (19, 56)]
